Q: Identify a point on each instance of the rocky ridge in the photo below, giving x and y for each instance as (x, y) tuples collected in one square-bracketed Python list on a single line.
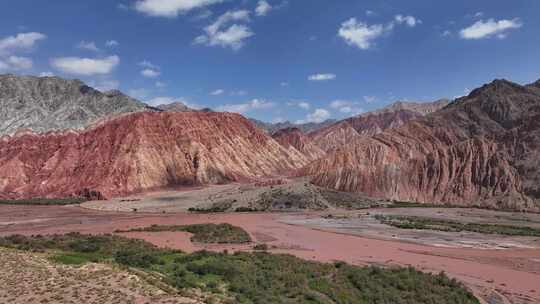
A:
[(43, 104), (479, 150), (139, 152)]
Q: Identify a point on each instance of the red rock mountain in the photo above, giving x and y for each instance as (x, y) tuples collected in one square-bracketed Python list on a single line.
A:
[(294, 138), (353, 129), (138, 152), (482, 149)]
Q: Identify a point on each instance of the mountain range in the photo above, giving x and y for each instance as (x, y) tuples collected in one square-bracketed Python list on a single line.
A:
[(63, 138)]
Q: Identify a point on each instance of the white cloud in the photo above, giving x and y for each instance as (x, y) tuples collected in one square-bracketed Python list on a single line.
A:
[(20, 42), (284, 84), (322, 77), (160, 84), (149, 70), (86, 66), (360, 34), (446, 33), (255, 104), (485, 29), (149, 73), (238, 93), (217, 33), (301, 104), (263, 8), (217, 92), (370, 99), (318, 116), (479, 15), (90, 46), (112, 43), (370, 13), (148, 64), (46, 74), (304, 105), (411, 21), (170, 8), (15, 63), (346, 106)]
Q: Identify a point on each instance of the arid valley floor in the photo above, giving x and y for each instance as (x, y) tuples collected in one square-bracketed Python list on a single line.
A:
[(499, 269)]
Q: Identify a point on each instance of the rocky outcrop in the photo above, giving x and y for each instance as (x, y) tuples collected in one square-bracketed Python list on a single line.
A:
[(353, 129), (176, 106), (271, 128), (293, 138), (138, 152), (480, 150), (43, 104)]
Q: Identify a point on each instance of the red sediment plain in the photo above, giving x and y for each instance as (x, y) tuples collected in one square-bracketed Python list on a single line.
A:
[(482, 270)]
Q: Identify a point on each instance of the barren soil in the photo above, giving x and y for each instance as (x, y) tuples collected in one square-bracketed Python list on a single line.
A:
[(29, 278)]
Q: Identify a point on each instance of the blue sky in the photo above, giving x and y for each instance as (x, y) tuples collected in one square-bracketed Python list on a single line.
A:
[(298, 60)]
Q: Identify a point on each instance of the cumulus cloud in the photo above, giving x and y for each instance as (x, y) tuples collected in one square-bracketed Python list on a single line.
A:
[(411, 21), (301, 104), (20, 42), (360, 34), (171, 8), (88, 45), (217, 92), (112, 43), (485, 29), (322, 77), (149, 73), (15, 63), (148, 64), (160, 84), (304, 105), (149, 70), (318, 116), (370, 99), (238, 93), (346, 106), (263, 8), (219, 34), (242, 108), (86, 66)]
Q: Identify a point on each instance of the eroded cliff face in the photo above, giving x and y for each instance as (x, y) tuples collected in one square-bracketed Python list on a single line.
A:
[(480, 150), (351, 130), (295, 139), (138, 152)]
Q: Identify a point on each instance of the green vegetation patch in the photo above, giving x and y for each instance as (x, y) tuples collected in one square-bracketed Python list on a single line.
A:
[(254, 278), (204, 233), (45, 201), (424, 223)]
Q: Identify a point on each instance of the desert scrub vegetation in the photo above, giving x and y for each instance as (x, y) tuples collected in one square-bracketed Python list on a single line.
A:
[(45, 201), (424, 223), (203, 233), (256, 278)]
